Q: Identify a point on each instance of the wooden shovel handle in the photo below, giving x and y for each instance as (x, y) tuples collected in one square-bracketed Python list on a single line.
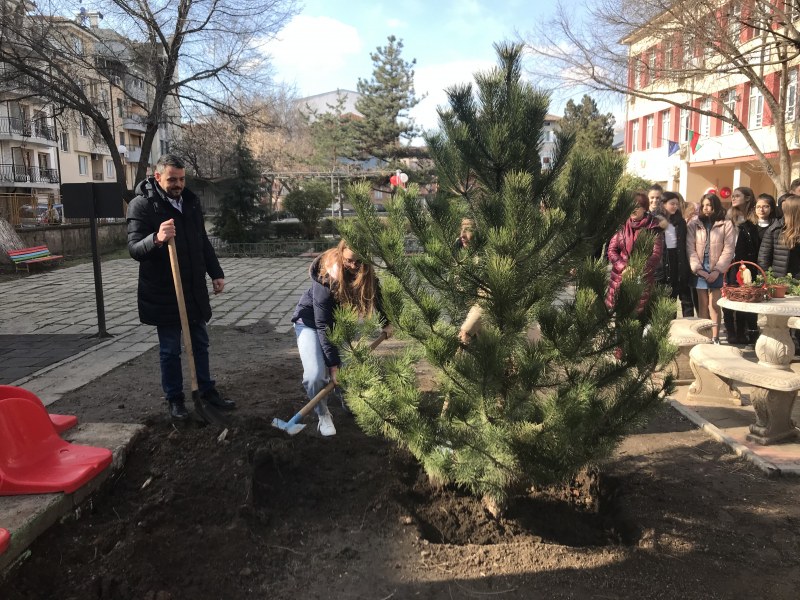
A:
[(187, 334), (327, 389)]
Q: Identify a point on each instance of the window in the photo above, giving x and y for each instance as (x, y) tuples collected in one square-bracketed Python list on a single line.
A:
[(665, 132), (635, 136), (120, 108), (110, 169), (756, 108), (791, 95), (684, 125), (729, 100), (651, 63), (705, 120), (83, 164), (648, 133), (688, 52), (83, 127), (793, 10), (164, 147), (735, 20), (64, 141), (668, 58), (77, 44)]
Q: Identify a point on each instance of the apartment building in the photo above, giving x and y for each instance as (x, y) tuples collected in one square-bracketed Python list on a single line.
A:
[(691, 66), (43, 145), (121, 90)]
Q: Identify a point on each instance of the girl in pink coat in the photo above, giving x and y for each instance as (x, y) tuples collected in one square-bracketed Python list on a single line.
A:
[(710, 244)]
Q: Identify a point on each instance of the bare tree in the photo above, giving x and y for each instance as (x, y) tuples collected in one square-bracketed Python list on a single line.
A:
[(167, 58), (683, 53)]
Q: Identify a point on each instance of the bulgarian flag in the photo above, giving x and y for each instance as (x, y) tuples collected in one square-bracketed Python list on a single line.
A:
[(694, 137)]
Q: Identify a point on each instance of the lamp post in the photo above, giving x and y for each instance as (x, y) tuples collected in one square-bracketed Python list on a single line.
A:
[(123, 151)]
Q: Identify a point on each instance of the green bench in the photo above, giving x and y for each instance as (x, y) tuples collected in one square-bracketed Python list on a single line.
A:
[(37, 255)]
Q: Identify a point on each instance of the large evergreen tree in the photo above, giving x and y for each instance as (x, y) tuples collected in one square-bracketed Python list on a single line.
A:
[(240, 210), (591, 128), (385, 102), (539, 393), (333, 136)]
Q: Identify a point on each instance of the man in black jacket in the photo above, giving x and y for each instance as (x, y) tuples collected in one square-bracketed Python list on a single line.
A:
[(163, 209)]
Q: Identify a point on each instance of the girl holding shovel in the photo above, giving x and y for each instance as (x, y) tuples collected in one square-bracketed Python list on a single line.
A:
[(338, 277)]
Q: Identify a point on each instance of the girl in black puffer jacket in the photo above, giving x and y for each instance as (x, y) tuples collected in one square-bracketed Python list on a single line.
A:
[(674, 258), (742, 327), (781, 246)]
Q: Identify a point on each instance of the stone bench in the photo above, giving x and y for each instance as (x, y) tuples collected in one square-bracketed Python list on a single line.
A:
[(686, 334), (774, 390)]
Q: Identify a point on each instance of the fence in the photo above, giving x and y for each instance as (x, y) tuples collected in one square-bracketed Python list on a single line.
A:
[(272, 248), (282, 248)]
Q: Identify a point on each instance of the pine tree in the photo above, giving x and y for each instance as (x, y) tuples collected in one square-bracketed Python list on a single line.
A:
[(333, 136), (591, 128), (539, 393), (385, 102), (240, 212)]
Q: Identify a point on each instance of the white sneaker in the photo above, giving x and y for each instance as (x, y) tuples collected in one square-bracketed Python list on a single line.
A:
[(325, 425)]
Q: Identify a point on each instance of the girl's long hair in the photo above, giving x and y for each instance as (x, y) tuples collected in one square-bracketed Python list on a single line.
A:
[(747, 210), (790, 235), (678, 213), (355, 288), (716, 204)]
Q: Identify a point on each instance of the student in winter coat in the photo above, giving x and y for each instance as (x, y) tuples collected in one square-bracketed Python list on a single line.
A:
[(621, 245), (338, 277), (742, 327), (675, 259), (765, 214), (780, 248), (710, 244), (162, 210)]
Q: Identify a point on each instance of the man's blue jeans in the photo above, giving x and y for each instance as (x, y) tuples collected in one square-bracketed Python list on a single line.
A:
[(315, 373), (169, 341)]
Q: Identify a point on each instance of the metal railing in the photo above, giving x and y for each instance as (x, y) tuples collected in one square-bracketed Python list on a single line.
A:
[(272, 248), (21, 127), (24, 210), (21, 174)]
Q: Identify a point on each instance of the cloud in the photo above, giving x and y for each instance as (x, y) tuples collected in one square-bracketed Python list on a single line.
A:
[(434, 79), (394, 23), (314, 53)]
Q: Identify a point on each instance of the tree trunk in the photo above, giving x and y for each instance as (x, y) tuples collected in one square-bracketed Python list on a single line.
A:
[(9, 240)]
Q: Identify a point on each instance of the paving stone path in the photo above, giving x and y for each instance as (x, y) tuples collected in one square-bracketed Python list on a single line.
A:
[(48, 321)]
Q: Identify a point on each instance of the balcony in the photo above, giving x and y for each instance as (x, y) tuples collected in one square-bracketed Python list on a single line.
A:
[(134, 123), (134, 154), (10, 173), (13, 127)]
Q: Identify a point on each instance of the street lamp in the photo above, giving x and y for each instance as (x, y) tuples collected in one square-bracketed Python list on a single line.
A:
[(123, 151)]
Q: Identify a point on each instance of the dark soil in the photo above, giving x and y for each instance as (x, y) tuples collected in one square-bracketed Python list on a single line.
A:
[(250, 512)]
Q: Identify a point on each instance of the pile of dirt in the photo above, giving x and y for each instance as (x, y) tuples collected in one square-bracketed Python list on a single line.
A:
[(254, 513)]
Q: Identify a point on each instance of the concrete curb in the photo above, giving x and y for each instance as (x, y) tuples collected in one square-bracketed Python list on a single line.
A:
[(740, 449)]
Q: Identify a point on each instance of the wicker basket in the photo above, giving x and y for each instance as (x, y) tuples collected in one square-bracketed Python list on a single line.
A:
[(745, 293)]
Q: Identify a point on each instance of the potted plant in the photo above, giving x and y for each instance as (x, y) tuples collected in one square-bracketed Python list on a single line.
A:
[(778, 286)]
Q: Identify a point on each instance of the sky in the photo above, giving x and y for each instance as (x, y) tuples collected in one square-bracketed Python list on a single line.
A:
[(327, 46)]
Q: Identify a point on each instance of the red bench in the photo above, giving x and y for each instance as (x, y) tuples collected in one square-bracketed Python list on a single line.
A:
[(37, 255), (5, 539)]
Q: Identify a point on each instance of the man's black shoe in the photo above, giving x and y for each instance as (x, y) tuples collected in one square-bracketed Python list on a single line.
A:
[(214, 398), (177, 410)]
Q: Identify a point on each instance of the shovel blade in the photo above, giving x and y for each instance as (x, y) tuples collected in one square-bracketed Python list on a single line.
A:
[(290, 428), (207, 412)]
